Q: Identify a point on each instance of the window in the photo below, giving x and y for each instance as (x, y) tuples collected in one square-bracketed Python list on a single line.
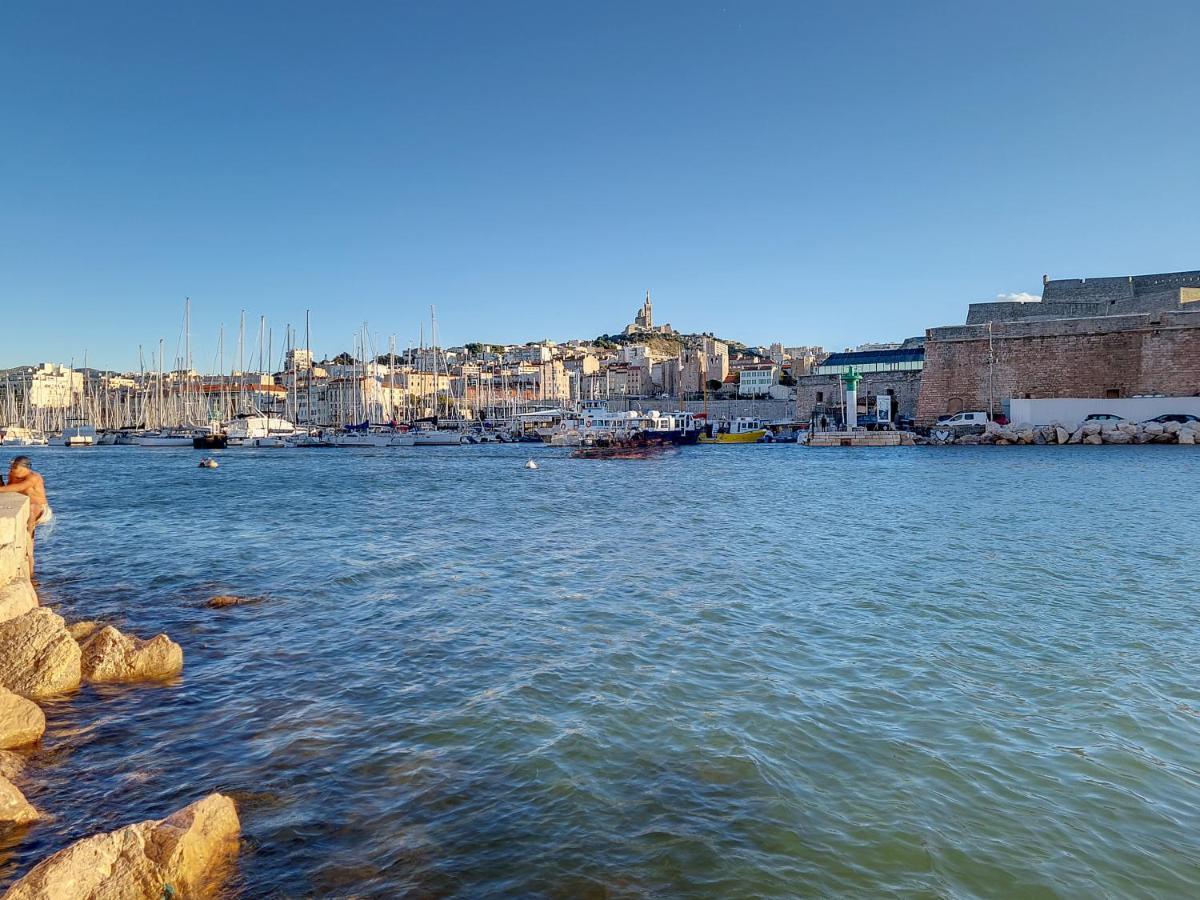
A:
[(820, 396), (1112, 394)]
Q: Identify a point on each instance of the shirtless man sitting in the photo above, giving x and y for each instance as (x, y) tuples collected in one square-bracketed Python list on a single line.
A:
[(23, 480)]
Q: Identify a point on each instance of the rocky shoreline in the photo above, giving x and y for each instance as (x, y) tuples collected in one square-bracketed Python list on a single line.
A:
[(1090, 432), (186, 854)]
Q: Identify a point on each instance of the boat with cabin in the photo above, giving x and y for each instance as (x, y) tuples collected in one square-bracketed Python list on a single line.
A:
[(742, 430)]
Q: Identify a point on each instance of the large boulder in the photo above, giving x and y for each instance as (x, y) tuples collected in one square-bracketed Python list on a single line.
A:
[(1171, 427), (1116, 436), (186, 855), (1061, 435), (21, 721), (38, 657), (1153, 428), (17, 598), (1092, 426), (1093, 438), (110, 656), (1077, 437), (15, 810), (1187, 436), (222, 601)]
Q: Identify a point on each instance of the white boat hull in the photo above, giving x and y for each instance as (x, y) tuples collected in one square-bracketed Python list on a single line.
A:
[(364, 439), (164, 440), (436, 438)]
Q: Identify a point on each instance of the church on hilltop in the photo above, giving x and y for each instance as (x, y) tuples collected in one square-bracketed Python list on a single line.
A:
[(643, 322)]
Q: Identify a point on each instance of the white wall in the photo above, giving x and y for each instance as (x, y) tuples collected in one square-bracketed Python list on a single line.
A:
[(1073, 410)]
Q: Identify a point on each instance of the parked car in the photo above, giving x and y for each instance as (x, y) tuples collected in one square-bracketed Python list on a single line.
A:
[(965, 423), (1104, 417), (1181, 418)]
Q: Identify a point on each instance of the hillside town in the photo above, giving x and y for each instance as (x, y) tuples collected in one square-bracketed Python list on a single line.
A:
[(1091, 338)]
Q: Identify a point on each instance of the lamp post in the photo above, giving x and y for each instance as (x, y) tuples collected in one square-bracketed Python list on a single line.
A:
[(850, 379)]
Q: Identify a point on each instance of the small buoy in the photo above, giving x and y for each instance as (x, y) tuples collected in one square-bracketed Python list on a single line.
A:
[(208, 463), (531, 465)]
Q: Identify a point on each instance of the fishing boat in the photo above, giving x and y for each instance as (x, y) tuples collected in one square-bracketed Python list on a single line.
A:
[(639, 446), (742, 430), (677, 428)]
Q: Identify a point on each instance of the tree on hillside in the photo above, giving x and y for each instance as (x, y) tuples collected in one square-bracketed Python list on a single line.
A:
[(713, 385)]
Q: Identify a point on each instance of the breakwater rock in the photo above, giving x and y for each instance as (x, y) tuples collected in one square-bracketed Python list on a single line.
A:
[(22, 721), (38, 656), (41, 656), (1090, 432), (14, 808), (16, 598), (185, 855), (110, 656)]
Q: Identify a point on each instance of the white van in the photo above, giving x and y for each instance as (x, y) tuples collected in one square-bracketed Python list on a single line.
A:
[(966, 423)]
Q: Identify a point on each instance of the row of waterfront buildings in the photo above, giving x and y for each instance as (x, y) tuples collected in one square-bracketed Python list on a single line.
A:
[(1099, 338)]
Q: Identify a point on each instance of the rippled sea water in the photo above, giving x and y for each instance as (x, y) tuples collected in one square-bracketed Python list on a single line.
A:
[(761, 671)]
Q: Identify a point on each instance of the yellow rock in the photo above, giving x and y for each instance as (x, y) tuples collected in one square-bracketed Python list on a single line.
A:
[(14, 808), (21, 721), (190, 851), (110, 656)]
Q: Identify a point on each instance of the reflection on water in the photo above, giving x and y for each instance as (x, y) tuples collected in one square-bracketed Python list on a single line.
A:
[(751, 671)]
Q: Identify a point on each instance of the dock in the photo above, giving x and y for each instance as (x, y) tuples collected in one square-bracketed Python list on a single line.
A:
[(860, 438)]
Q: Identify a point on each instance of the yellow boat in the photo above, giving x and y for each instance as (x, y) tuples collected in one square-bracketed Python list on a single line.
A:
[(746, 437), (742, 430)]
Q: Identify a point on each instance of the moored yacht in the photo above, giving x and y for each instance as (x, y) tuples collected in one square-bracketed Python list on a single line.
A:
[(79, 433), (19, 436), (242, 430), (166, 437)]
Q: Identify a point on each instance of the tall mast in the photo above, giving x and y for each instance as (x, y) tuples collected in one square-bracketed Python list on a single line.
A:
[(308, 348)]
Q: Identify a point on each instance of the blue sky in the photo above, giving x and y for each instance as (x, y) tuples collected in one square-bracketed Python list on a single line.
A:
[(829, 174)]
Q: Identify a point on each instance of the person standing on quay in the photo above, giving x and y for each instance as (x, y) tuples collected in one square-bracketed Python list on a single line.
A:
[(23, 480)]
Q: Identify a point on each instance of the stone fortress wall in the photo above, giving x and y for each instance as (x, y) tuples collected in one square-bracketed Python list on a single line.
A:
[(1083, 297), (975, 366)]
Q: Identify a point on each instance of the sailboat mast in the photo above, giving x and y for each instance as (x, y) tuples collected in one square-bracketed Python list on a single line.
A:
[(308, 355)]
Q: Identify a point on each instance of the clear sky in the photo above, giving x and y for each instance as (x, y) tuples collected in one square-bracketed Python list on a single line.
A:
[(812, 173)]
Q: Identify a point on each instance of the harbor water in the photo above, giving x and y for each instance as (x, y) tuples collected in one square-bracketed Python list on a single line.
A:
[(751, 671)]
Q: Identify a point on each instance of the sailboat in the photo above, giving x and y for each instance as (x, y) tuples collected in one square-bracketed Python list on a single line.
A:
[(79, 430)]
